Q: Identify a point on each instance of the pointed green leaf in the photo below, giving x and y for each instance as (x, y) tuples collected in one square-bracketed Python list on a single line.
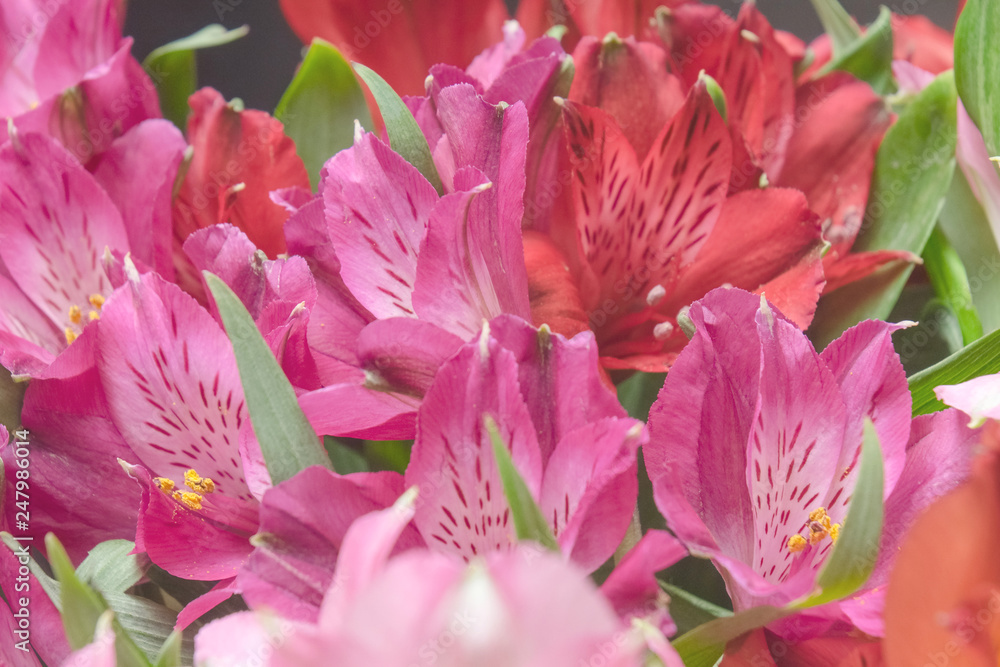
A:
[(980, 358), (149, 625), (287, 440), (951, 283), (82, 608), (320, 106), (977, 62), (110, 567), (405, 135), (964, 222), (528, 521), (170, 652), (869, 57), (838, 24), (853, 557), (913, 171), (703, 646), (174, 70)]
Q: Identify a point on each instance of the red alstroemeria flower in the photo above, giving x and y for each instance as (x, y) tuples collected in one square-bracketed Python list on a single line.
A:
[(653, 227), (403, 39), (239, 157)]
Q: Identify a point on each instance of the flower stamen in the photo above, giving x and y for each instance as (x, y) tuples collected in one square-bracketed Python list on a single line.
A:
[(819, 527)]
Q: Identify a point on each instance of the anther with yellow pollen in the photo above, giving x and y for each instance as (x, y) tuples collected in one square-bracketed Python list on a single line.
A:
[(819, 526), (76, 321), (191, 499)]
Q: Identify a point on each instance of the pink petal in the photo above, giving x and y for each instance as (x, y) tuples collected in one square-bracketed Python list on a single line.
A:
[(303, 522), (979, 398), (404, 354), (207, 544), (938, 459), (47, 199), (72, 438), (454, 287), (797, 448), (494, 141), (873, 384), (373, 414), (172, 384), (138, 171), (590, 487), (205, 603), (79, 37), (632, 587), (462, 508), (44, 622), (560, 380), (377, 207)]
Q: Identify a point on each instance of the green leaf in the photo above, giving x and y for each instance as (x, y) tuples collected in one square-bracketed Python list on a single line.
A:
[(913, 171), (528, 521), (170, 652), (287, 440), (110, 567), (980, 358), (869, 57), (951, 283), (344, 458), (405, 135), (320, 106), (174, 71), (82, 608), (977, 62), (838, 24), (149, 625), (967, 228), (853, 558), (703, 646)]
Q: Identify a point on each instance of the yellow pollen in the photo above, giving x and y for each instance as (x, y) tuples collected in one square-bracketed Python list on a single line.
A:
[(197, 483), (93, 315), (819, 527), (796, 543), (96, 300), (190, 500), (70, 335), (166, 484), (75, 315)]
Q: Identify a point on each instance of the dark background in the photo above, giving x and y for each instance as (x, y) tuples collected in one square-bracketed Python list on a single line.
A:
[(258, 67)]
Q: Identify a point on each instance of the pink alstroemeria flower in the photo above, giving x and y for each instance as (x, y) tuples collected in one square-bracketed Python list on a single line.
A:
[(420, 271), (754, 446), (66, 71), (569, 437), (59, 224), (522, 607)]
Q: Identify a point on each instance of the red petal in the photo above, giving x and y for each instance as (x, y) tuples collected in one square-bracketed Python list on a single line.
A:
[(555, 298), (917, 40), (232, 147), (841, 271), (830, 158), (630, 81), (761, 235), (400, 39)]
